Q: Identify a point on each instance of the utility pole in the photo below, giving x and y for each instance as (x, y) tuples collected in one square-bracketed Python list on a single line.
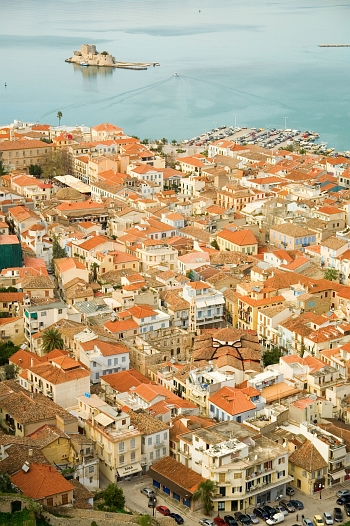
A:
[(285, 122), (235, 116)]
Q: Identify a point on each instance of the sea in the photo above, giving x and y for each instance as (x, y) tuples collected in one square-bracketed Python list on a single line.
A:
[(250, 63)]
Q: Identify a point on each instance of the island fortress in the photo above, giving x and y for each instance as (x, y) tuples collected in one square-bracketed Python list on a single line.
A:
[(89, 56)]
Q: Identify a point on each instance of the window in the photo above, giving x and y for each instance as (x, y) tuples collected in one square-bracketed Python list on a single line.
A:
[(115, 361), (157, 439), (237, 475), (121, 446), (151, 455), (221, 506), (121, 459), (165, 435), (93, 364), (91, 469), (43, 313), (59, 311), (221, 477), (109, 362), (132, 443), (49, 502), (158, 453), (132, 455), (65, 498), (123, 359), (123, 421), (281, 460), (164, 451), (149, 442), (87, 451)]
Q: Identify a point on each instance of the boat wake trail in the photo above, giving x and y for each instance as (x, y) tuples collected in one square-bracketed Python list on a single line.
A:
[(217, 85), (112, 99)]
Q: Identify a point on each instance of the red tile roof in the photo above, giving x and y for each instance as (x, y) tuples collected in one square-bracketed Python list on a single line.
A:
[(41, 481)]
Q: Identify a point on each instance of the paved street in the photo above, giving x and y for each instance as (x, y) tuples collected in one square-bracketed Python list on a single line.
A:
[(137, 502)]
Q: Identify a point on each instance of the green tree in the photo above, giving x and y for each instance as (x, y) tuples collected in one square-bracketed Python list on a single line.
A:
[(35, 169), (205, 492), (205, 153), (94, 268), (145, 141), (7, 349), (164, 140), (144, 520), (215, 245), (2, 168), (272, 356), (5, 484), (59, 117), (52, 339), (57, 251), (57, 163), (174, 142), (331, 274), (112, 497), (10, 371), (8, 289)]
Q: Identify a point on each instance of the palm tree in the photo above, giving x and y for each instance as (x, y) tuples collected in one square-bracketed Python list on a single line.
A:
[(205, 493), (59, 117), (52, 339)]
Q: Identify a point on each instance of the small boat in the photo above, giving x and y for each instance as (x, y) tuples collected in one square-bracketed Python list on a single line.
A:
[(176, 74), (84, 64)]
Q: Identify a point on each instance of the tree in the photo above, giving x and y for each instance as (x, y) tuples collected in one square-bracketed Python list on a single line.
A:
[(331, 274), (112, 497), (215, 245), (5, 484), (2, 168), (59, 117), (205, 493), (164, 140), (57, 163), (10, 371), (7, 349), (52, 339), (174, 142), (272, 356), (35, 169), (57, 251), (94, 268)]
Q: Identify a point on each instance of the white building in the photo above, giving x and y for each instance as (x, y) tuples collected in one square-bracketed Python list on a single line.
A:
[(206, 305), (102, 358)]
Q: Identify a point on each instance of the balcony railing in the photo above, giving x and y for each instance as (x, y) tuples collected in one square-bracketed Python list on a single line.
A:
[(255, 491)]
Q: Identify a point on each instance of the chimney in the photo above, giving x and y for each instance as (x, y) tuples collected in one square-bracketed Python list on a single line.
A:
[(30, 452)]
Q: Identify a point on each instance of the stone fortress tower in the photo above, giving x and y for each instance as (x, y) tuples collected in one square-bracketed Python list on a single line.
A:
[(89, 55)]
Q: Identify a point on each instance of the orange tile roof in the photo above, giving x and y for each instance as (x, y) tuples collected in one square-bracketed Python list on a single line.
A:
[(105, 348), (124, 380), (94, 242), (121, 326), (239, 237), (233, 401), (65, 264), (142, 311), (40, 481)]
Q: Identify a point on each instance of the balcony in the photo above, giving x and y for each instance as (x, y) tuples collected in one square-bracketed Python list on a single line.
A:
[(255, 491), (186, 454), (161, 444)]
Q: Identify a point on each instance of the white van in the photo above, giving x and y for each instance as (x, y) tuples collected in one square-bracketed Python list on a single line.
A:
[(278, 517)]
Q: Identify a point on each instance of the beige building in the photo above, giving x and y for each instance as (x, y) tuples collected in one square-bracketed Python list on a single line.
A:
[(291, 236), (242, 241), (154, 253), (118, 443), (12, 329), (61, 379), (20, 154)]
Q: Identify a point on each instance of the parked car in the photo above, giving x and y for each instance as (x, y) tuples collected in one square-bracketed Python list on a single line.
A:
[(261, 513), (152, 501), (231, 521), (337, 515), (206, 522), (318, 521), (287, 505), (163, 510), (343, 500), (290, 490), (253, 518), (275, 519), (177, 518), (343, 492), (271, 511), (298, 505), (307, 522), (219, 521), (327, 518), (281, 509), (147, 491), (347, 508), (244, 519)]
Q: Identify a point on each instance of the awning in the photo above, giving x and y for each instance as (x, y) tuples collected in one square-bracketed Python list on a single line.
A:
[(103, 419), (129, 470), (338, 474)]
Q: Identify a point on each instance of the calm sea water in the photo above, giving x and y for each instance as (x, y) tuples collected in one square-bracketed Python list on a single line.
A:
[(254, 61)]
